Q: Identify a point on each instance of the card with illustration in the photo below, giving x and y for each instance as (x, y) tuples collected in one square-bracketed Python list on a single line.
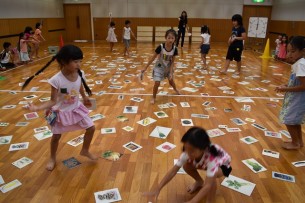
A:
[(163, 106), (270, 153), (43, 135), (22, 124), (115, 87), (9, 107), (161, 114), (160, 132), (238, 121), (222, 126), (24, 102), (285, 133), (283, 176), (71, 162), (185, 104), (1, 180), (233, 130), (250, 120), (10, 186), (171, 104), (162, 93), (227, 110), (137, 99), (166, 147), (96, 117), (5, 139), (122, 118), (246, 107), (244, 100), (249, 140), (20, 163), (181, 170), (211, 108), (108, 196), (238, 185), (146, 121), (108, 130), (187, 122), (44, 99), (31, 116), (41, 129), (30, 97), (132, 146), (111, 156), (254, 165), (98, 82), (76, 141), (100, 93), (189, 89), (128, 128), (19, 146), (206, 103), (273, 134), (130, 109), (259, 126), (215, 132), (194, 115), (299, 163)]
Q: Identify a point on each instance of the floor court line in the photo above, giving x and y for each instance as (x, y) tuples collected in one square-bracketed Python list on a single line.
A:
[(169, 95)]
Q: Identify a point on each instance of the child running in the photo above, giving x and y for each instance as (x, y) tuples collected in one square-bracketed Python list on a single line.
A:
[(111, 38), (68, 113), (293, 108), (164, 67), (205, 44), (199, 154)]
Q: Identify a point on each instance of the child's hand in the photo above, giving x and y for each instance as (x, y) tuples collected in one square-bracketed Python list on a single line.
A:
[(32, 107), (152, 196), (280, 88), (87, 102)]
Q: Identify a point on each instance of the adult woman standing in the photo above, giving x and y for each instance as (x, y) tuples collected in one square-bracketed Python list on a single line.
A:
[(181, 27)]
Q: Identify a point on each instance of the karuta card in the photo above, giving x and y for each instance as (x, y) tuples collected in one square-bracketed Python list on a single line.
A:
[(185, 104), (270, 153), (5, 139), (76, 141), (132, 146), (215, 132), (108, 130), (238, 121), (108, 196), (4, 124), (41, 129), (19, 146), (250, 120), (163, 106), (166, 147), (254, 165), (31, 116), (206, 103), (122, 118), (238, 185), (283, 176), (299, 163), (96, 117), (249, 140), (259, 126), (43, 135), (1, 180), (120, 97), (128, 128), (187, 122), (285, 133), (160, 132), (171, 104), (20, 163), (146, 121), (273, 134), (194, 115), (137, 99), (9, 107), (161, 114), (243, 99), (71, 162), (30, 97), (10, 186), (111, 156), (227, 110), (130, 109), (22, 124), (45, 99), (222, 126), (232, 130)]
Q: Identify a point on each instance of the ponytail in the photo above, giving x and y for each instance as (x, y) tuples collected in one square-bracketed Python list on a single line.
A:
[(214, 151), (84, 83), (38, 72)]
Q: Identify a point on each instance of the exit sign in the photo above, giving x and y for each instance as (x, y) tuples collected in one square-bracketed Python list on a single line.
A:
[(258, 1)]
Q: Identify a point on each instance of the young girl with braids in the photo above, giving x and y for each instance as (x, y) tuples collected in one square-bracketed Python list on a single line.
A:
[(70, 113), (199, 154)]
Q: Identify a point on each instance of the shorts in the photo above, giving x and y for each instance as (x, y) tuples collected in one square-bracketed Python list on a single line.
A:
[(234, 53), (24, 56), (226, 170), (204, 48), (160, 72), (126, 42)]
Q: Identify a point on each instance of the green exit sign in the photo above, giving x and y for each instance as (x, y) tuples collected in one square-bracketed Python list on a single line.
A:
[(258, 1)]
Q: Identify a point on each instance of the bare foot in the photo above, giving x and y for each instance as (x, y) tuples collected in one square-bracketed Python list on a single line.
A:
[(223, 72), (51, 165), (152, 100), (177, 92), (88, 155), (196, 186), (290, 140), (290, 146)]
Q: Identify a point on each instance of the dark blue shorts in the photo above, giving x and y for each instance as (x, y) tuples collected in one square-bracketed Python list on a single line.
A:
[(204, 48), (234, 53)]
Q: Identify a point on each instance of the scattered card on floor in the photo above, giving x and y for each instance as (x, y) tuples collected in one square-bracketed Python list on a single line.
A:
[(108, 196), (4, 124), (9, 107), (137, 99), (19, 146), (111, 156), (30, 116), (146, 121), (215, 132), (249, 140), (270, 153), (187, 122), (238, 121), (30, 97), (96, 117), (130, 109), (122, 118), (160, 132), (43, 135), (10, 186), (132, 146), (273, 134), (5, 139), (108, 130), (259, 126), (71, 162), (22, 124), (233, 130), (254, 165), (195, 115), (227, 110), (20, 163), (250, 120), (299, 163), (166, 147), (185, 104), (238, 185), (161, 114), (41, 129), (1, 180), (283, 176), (128, 128), (76, 141)]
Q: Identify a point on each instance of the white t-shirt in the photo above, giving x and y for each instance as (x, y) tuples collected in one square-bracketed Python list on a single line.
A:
[(127, 32), (6, 58), (299, 68), (206, 38)]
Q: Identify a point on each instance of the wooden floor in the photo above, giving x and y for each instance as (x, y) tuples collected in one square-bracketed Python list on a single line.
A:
[(137, 172)]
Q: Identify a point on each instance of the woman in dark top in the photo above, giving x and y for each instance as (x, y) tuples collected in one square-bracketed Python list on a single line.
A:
[(181, 27)]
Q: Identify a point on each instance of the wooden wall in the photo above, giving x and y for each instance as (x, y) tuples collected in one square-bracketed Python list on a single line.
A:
[(51, 30), (220, 28)]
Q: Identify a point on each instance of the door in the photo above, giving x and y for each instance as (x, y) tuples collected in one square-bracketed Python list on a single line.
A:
[(78, 21)]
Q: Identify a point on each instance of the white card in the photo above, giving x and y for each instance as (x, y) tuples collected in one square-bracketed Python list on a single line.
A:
[(9, 107), (238, 185), (19, 146), (160, 132), (4, 124), (128, 128), (45, 99), (283, 176), (187, 122), (285, 133), (273, 134), (132, 146), (30, 97), (215, 132), (9, 186), (299, 163), (146, 121), (96, 117), (1, 180), (254, 165), (166, 147), (108, 130), (43, 135), (41, 129), (250, 120), (270, 153), (130, 109), (238, 121), (108, 196), (5, 139), (249, 140), (76, 141), (222, 126), (259, 126), (20, 163), (243, 99), (161, 114), (137, 99), (22, 124), (194, 115), (185, 104), (171, 104), (163, 106), (232, 130), (206, 103)]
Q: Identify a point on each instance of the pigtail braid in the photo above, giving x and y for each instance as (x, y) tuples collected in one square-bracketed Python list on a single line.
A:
[(84, 83)]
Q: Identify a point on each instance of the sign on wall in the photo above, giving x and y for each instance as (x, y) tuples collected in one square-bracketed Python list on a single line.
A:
[(257, 27)]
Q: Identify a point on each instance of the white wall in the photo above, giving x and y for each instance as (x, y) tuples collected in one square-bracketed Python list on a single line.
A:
[(31, 9), (217, 9), (288, 10)]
